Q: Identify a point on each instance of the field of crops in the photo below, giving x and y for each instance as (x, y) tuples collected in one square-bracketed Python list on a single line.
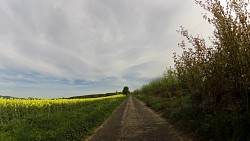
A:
[(57, 119)]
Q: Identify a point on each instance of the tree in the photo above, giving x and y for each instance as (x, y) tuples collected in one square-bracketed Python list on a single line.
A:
[(125, 90), (217, 76)]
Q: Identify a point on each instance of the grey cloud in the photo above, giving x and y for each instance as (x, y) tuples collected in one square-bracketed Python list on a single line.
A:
[(86, 45)]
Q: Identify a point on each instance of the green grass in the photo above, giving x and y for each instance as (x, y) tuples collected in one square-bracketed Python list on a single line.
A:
[(68, 121), (208, 126), (171, 108)]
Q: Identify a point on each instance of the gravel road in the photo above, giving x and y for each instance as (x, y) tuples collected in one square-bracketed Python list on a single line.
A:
[(134, 121)]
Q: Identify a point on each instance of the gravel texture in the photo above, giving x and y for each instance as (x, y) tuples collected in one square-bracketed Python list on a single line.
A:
[(134, 121)]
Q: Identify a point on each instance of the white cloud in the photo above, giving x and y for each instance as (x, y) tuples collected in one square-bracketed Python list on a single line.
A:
[(128, 41)]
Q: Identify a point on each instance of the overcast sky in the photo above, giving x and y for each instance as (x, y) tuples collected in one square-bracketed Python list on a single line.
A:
[(61, 48)]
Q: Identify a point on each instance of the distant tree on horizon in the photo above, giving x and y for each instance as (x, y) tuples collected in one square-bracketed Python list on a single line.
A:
[(125, 90)]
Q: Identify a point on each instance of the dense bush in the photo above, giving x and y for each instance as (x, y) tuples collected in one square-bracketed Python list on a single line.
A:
[(165, 85), (215, 77)]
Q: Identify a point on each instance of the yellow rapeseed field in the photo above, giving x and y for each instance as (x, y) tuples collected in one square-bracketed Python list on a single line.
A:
[(53, 119)]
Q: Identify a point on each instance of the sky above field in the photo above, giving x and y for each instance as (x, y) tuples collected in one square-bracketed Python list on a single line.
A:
[(62, 48)]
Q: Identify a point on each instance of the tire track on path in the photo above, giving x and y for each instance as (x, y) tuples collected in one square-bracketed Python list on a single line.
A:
[(133, 121)]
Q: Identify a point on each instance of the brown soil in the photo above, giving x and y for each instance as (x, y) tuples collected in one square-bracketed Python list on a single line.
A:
[(133, 121)]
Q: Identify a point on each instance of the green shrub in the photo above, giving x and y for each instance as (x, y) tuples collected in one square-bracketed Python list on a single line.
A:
[(208, 92)]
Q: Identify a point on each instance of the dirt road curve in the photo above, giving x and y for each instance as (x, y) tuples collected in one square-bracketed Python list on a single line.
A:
[(133, 121)]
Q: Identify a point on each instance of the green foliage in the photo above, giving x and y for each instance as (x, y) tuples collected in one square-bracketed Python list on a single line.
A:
[(173, 108), (217, 76), (125, 90), (209, 127), (165, 85), (211, 83), (71, 119)]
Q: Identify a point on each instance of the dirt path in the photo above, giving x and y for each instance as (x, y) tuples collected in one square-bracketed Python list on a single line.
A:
[(133, 121)]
